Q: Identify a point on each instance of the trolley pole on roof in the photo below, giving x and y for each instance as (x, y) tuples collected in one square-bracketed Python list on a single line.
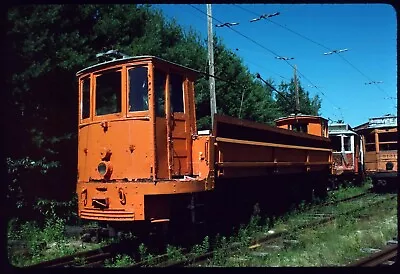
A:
[(213, 104), (296, 91)]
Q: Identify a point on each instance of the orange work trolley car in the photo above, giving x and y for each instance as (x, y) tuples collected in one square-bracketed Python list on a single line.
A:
[(380, 145), (140, 154)]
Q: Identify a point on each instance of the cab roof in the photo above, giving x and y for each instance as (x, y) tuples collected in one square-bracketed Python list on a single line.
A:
[(299, 116), (132, 60)]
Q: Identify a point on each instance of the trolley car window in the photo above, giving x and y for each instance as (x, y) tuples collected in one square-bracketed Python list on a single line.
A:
[(138, 89), (85, 98), (370, 138), (176, 92), (159, 86), (323, 128), (388, 137), (347, 143), (370, 147), (300, 127), (386, 147), (336, 143), (389, 140), (108, 93)]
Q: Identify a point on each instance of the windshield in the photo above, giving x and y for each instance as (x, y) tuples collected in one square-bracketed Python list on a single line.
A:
[(138, 89), (85, 98), (159, 90), (108, 93)]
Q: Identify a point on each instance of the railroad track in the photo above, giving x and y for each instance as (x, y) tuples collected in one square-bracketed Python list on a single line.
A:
[(96, 257), (264, 240), (387, 256), (91, 258), (347, 199)]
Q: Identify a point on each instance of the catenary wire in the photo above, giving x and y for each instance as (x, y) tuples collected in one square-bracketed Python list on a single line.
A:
[(269, 50), (317, 43)]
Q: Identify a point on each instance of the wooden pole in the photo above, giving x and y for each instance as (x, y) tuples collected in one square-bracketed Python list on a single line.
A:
[(213, 104), (296, 91)]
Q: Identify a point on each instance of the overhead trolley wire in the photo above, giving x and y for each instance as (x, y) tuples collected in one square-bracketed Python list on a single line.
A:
[(317, 43), (262, 46), (238, 49)]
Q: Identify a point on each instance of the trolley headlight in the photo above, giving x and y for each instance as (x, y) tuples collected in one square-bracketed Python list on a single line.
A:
[(105, 169), (389, 166), (102, 168)]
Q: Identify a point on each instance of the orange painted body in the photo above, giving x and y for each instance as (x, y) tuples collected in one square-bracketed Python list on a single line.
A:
[(380, 145), (144, 148), (309, 124), (380, 150), (245, 148), (139, 149)]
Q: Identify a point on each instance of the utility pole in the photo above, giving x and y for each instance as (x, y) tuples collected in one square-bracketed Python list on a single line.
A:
[(296, 91), (213, 104)]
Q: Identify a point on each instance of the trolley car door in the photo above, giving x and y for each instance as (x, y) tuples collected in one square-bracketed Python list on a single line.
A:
[(179, 128)]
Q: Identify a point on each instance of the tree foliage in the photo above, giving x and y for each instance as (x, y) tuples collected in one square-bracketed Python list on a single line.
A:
[(287, 104), (47, 44)]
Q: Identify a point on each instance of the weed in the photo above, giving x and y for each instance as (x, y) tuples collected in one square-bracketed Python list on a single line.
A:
[(175, 253), (120, 261), (220, 252), (43, 242), (54, 230), (78, 261), (253, 225), (202, 248), (145, 256), (142, 251), (243, 235), (336, 243)]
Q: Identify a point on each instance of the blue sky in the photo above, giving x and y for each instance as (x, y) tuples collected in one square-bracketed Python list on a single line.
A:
[(368, 31)]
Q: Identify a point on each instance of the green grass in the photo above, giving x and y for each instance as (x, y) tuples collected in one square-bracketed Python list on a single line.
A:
[(43, 242), (312, 248), (345, 192), (315, 247), (305, 215), (338, 243), (335, 244)]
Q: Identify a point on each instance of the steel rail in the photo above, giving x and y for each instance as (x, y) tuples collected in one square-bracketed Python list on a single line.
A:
[(344, 199), (96, 257), (81, 259), (270, 238), (267, 239), (376, 259)]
